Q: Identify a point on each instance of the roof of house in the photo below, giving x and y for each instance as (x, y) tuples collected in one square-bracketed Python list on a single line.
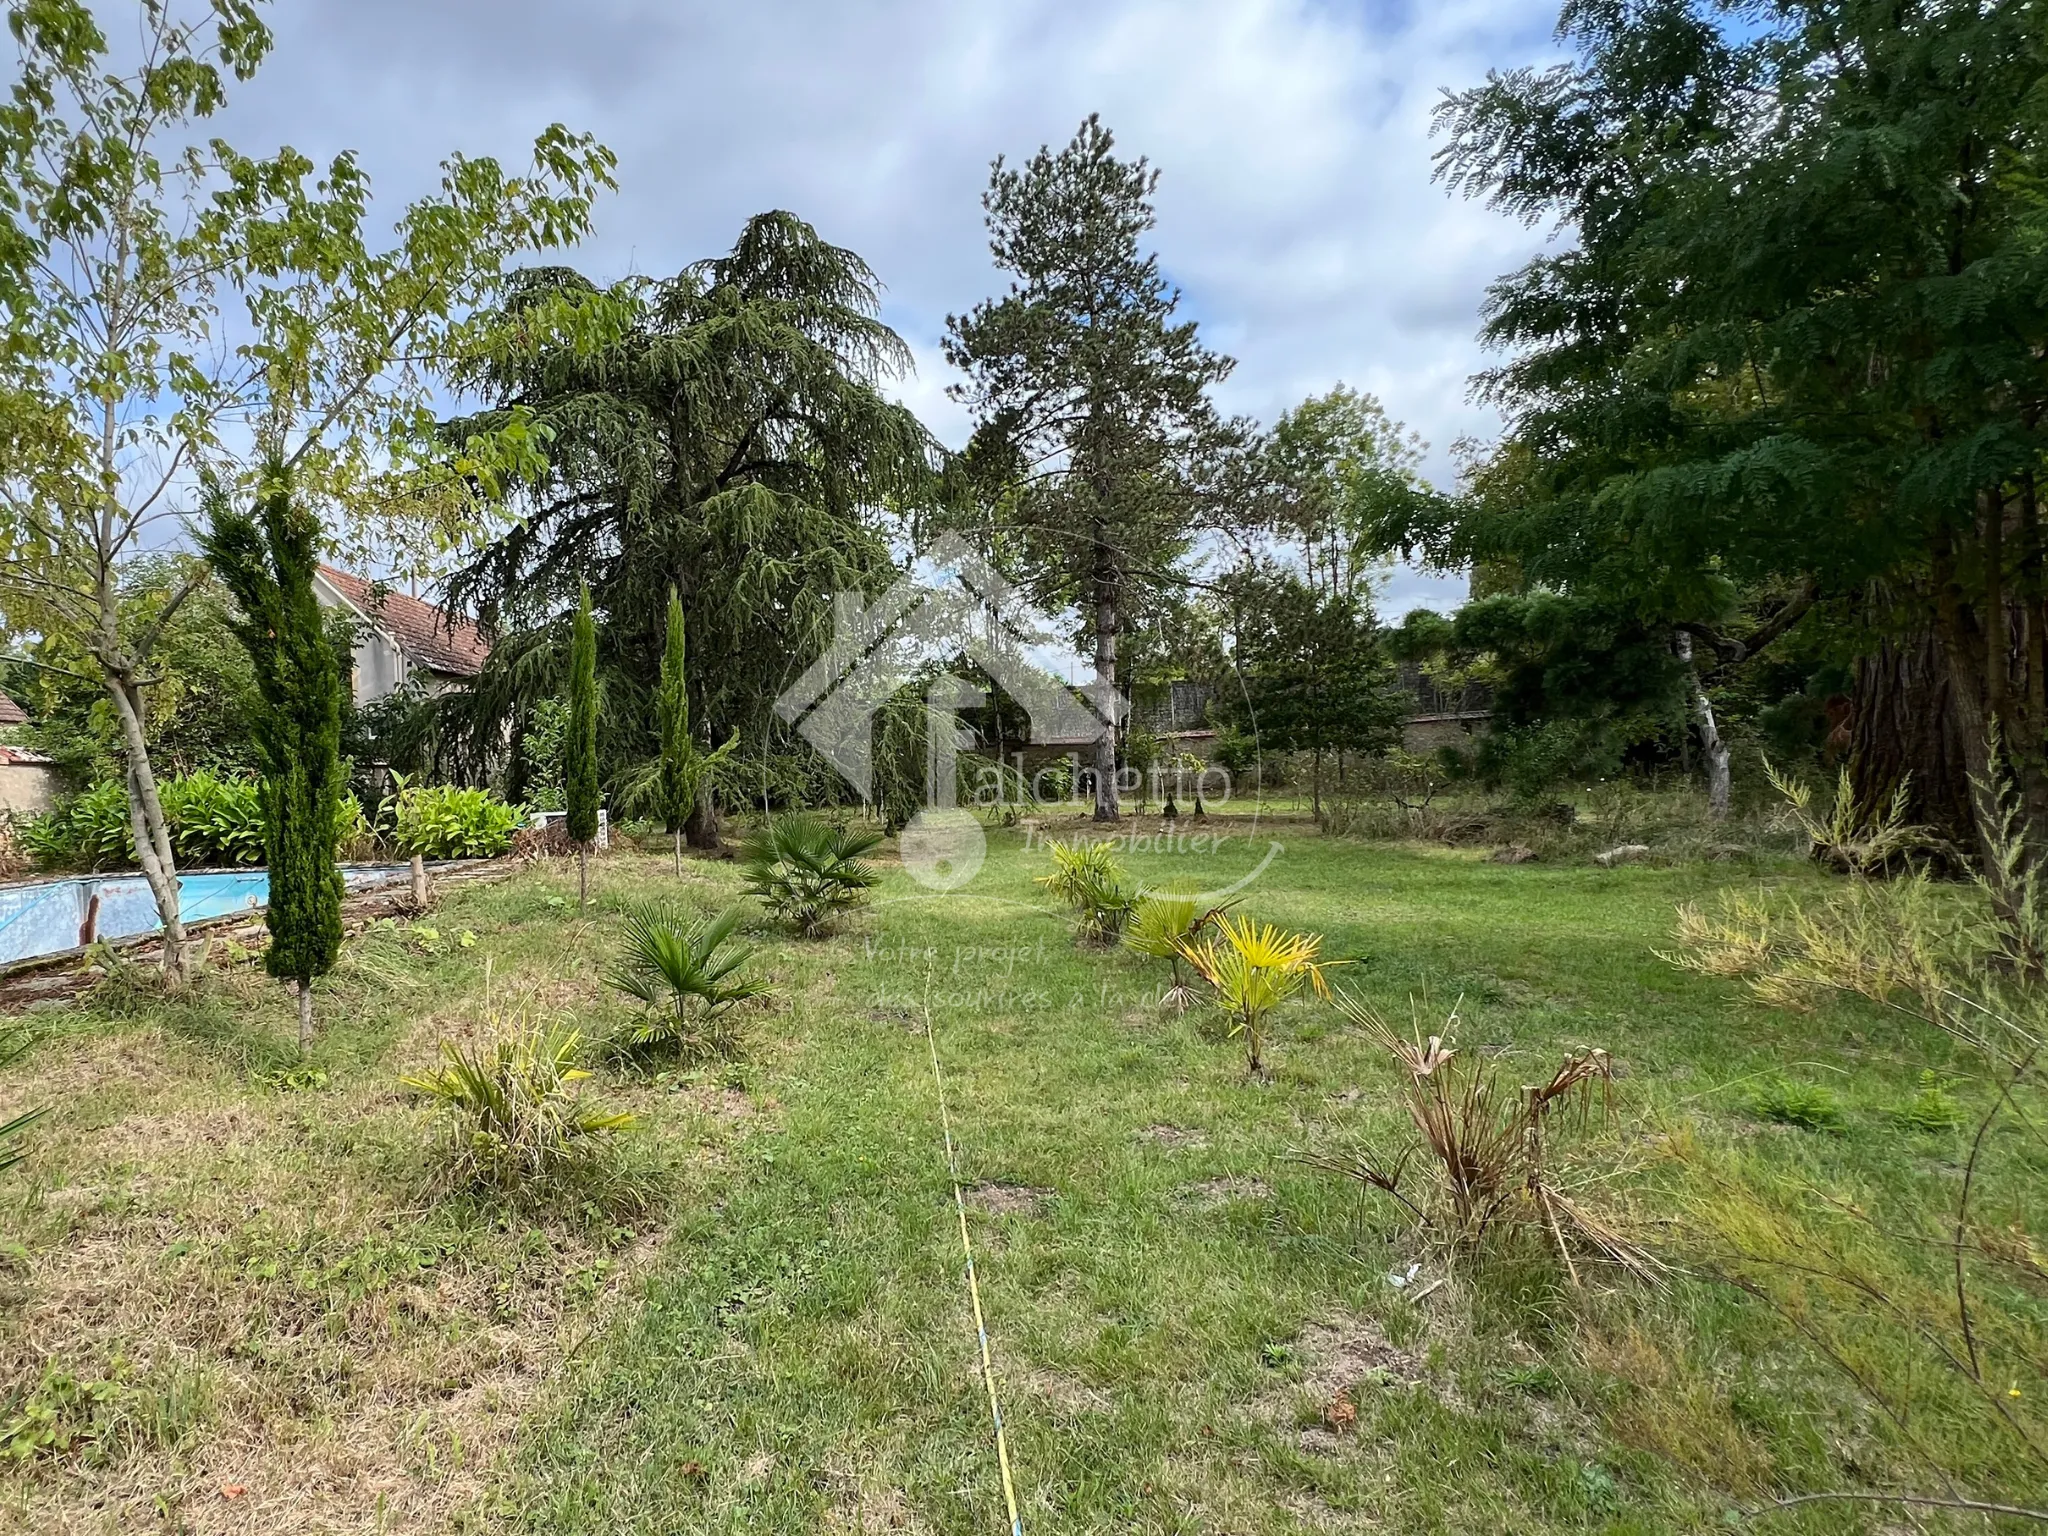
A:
[(11, 713), (432, 637)]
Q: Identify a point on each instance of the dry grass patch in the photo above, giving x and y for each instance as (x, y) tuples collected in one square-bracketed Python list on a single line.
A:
[(229, 1307)]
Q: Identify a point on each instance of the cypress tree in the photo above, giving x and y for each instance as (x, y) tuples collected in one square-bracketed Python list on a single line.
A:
[(672, 705), (267, 559), (579, 775)]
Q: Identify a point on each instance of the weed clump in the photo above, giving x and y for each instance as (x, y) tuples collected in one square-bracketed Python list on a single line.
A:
[(517, 1126), (1803, 1106)]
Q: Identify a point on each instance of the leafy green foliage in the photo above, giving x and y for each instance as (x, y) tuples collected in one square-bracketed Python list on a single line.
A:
[(268, 559), (543, 752), (686, 969), (97, 1419), (1792, 339), (211, 821), (447, 821), (519, 1127), (579, 746), (807, 870)]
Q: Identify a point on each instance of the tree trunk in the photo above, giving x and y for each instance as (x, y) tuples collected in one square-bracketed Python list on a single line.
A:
[(679, 852), (1106, 807), (583, 876), (1315, 779), (305, 1000), (1902, 728), (1711, 744), (421, 892), (148, 827), (702, 827)]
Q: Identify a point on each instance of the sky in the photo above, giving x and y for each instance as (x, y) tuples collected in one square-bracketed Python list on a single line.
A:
[(1296, 207)]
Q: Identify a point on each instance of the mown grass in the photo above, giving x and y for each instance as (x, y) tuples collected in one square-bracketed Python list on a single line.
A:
[(1191, 1331)]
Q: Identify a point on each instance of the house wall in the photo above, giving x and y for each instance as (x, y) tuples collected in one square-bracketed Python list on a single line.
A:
[(379, 668), (1424, 734), (27, 788)]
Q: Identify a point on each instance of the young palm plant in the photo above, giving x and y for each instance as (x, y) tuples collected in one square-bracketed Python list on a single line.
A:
[(520, 1127), (1254, 968), (687, 971), (807, 870), (1160, 926), (1489, 1157), (1087, 877)]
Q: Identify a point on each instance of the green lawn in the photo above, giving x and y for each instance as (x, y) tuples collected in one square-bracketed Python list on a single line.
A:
[(1191, 1331), (1174, 1306)]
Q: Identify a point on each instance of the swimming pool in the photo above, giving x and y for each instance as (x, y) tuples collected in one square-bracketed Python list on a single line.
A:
[(46, 917)]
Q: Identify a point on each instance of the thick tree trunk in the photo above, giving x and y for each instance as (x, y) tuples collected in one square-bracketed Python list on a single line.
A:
[(305, 1001), (148, 826), (702, 827), (1902, 728), (1106, 807), (1711, 744)]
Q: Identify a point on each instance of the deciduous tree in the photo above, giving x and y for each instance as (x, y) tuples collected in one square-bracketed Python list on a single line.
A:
[(170, 307), (1796, 340)]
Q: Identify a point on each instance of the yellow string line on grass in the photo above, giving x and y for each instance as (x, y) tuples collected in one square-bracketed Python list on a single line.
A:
[(988, 1370)]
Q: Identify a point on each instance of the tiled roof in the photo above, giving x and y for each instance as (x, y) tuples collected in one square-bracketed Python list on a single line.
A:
[(11, 713), (433, 638)]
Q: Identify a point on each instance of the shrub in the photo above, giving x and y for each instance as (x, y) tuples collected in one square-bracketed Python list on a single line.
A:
[(1087, 877), (686, 970), (519, 1127), (1254, 969), (211, 820), (1808, 1106), (447, 822), (1857, 840), (807, 870), (1486, 1154), (1161, 926)]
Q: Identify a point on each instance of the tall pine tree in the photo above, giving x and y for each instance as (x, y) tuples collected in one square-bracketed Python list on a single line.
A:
[(267, 559), (1094, 434), (579, 771)]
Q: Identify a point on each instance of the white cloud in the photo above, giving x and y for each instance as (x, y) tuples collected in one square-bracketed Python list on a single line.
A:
[(1296, 209)]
